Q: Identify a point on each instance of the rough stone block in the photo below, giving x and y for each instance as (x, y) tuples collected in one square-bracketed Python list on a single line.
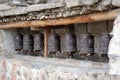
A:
[(4, 7), (73, 3), (6, 41), (40, 7), (14, 11), (116, 3)]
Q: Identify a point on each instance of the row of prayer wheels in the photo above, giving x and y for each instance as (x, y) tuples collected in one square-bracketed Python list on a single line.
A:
[(29, 43), (35, 43), (86, 44)]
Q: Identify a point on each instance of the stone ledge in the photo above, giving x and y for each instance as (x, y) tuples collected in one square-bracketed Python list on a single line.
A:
[(17, 67), (73, 3), (31, 60), (40, 7), (85, 7)]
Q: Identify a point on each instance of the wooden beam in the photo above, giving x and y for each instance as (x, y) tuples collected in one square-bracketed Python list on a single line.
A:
[(24, 24), (46, 34), (108, 15)]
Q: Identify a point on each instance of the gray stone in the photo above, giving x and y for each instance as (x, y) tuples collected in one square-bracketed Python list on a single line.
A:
[(36, 1), (104, 5), (105, 2), (40, 7), (6, 41), (73, 3), (66, 7), (116, 3), (14, 11), (4, 7), (55, 1)]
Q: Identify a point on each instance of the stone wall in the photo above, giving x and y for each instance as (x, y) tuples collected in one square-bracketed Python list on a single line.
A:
[(6, 41), (21, 10), (6, 35), (17, 67)]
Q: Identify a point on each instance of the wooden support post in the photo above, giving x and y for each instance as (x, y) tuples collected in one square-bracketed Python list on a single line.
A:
[(46, 34)]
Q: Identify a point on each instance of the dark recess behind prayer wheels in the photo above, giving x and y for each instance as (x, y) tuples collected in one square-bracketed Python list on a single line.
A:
[(18, 42), (103, 43), (86, 43), (27, 42), (38, 42), (53, 43), (69, 43)]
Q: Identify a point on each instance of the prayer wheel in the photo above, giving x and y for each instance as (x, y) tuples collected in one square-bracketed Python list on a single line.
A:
[(86, 43), (69, 43), (18, 42), (104, 40), (53, 43), (103, 43), (38, 42), (27, 42)]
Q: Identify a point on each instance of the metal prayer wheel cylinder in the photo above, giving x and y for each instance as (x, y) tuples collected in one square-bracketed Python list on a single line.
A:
[(38, 42), (69, 43), (86, 43), (27, 42), (53, 43), (103, 43), (18, 42)]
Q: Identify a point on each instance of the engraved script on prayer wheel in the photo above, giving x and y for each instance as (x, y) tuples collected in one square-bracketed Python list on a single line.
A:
[(103, 43), (38, 42), (53, 43), (86, 43), (18, 42), (27, 42), (69, 43)]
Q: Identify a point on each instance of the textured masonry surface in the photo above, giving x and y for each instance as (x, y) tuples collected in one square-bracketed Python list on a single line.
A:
[(16, 67)]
